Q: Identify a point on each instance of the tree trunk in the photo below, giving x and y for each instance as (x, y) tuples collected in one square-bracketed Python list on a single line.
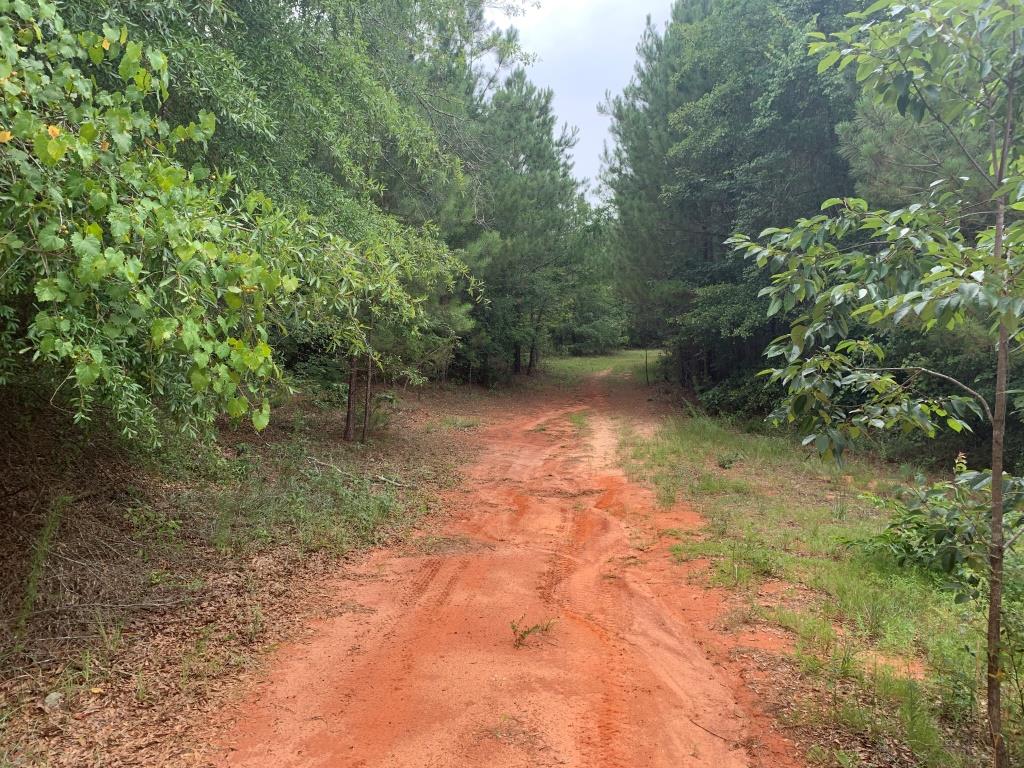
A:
[(350, 413), (533, 359), (994, 699), (517, 359), (647, 372), (366, 398)]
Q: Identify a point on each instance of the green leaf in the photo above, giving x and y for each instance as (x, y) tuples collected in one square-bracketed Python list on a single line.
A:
[(86, 374), (49, 290), (797, 336), (237, 406), (87, 247), (261, 418), (828, 60), (130, 59)]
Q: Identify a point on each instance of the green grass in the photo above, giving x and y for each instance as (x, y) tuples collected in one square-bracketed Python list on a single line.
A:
[(290, 495), (580, 421), (774, 512), (630, 362)]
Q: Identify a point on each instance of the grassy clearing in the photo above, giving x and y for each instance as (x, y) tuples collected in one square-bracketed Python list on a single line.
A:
[(569, 371), (861, 624)]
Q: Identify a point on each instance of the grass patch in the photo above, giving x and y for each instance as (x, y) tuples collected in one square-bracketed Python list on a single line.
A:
[(627, 363), (292, 494), (580, 421), (775, 512)]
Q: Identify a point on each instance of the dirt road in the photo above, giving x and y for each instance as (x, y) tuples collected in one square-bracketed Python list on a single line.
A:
[(418, 666)]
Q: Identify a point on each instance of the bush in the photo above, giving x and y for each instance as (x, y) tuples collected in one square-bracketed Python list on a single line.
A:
[(741, 395)]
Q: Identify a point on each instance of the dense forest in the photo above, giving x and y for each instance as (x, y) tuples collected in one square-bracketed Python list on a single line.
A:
[(207, 203)]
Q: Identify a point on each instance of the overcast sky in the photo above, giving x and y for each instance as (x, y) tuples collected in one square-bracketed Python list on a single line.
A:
[(585, 48)]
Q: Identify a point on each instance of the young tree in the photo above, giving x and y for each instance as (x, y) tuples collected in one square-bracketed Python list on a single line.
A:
[(959, 64)]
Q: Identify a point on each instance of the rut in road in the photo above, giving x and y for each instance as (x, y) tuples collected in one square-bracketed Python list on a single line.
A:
[(421, 669)]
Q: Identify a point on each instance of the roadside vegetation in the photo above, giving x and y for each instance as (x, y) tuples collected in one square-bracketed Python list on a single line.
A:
[(890, 663), (156, 580)]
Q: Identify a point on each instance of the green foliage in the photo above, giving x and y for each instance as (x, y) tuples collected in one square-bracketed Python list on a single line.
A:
[(896, 160), (726, 124), (941, 528), (538, 247), (156, 285), (916, 270), (123, 271)]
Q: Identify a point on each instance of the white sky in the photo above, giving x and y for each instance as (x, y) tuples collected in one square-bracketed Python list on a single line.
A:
[(584, 48)]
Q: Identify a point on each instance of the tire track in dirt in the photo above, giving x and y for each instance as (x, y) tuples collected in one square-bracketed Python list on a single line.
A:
[(431, 676)]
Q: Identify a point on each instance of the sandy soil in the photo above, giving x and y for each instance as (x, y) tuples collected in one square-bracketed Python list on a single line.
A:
[(418, 666)]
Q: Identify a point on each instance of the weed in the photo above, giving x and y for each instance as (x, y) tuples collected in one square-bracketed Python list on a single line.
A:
[(580, 421), (520, 633), (37, 564), (255, 626), (143, 692), (728, 459)]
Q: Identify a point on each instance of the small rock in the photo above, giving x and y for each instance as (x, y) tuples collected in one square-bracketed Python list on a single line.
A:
[(54, 700)]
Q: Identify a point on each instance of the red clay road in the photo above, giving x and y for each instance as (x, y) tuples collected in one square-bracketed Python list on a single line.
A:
[(419, 668)]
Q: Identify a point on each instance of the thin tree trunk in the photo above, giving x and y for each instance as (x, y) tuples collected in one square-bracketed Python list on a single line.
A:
[(350, 413), (366, 398), (994, 698), (533, 359), (997, 542), (647, 373), (517, 359)]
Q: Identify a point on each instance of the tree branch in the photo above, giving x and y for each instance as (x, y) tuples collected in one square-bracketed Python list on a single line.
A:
[(947, 127), (918, 369)]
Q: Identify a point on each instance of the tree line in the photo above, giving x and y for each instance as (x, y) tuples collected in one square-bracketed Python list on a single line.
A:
[(728, 126)]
